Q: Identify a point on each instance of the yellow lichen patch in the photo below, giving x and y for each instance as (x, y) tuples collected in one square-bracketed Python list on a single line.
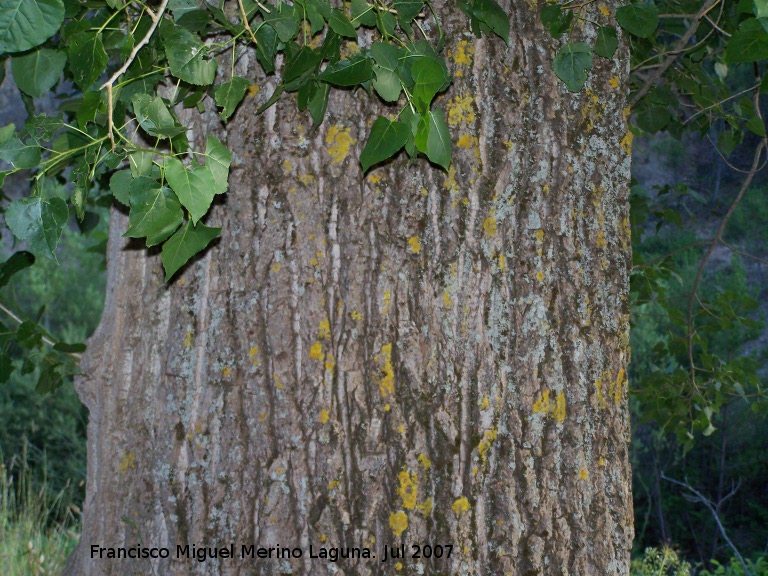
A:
[(489, 226), (253, 89), (398, 566), (350, 48), (323, 538), (414, 244), (626, 143), (460, 506), (401, 429), (446, 299), (278, 382), (424, 191), (127, 461), (356, 315), (287, 166), (387, 380), (188, 339), (503, 262), (599, 393), (554, 409), (601, 243), (450, 182), (374, 178), (313, 261), (276, 267), (323, 416), (462, 55), (484, 403), (425, 462), (601, 461), (616, 389), (485, 444), (583, 474), (540, 276), (252, 355), (475, 471), (539, 235), (604, 10), (613, 82), (333, 484), (466, 141), (324, 330), (385, 301), (339, 142), (398, 522), (182, 281), (426, 507), (461, 109), (226, 372), (316, 351), (306, 179), (408, 489), (387, 407), (330, 362)]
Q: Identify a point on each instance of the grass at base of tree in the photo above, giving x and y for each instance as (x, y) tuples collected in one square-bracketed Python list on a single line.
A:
[(31, 544)]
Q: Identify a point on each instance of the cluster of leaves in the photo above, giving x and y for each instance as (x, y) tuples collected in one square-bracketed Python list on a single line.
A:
[(121, 72)]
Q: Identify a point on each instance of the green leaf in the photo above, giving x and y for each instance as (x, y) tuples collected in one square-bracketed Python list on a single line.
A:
[(749, 44), (119, 185), (300, 66), (428, 77), (283, 21), (387, 81), (652, 119), (439, 139), (638, 18), (572, 63), (195, 187), (155, 211), (556, 19), (42, 128), (187, 56), (318, 101), (153, 116), (69, 348), (348, 72), (606, 42), (39, 71), (25, 24), (187, 242), (266, 47), (16, 263), (386, 138), (87, 59), (493, 16), (230, 94), (19, 154), (340, 24), (362, 13), (407, 10), (38, 222), (218, 159)]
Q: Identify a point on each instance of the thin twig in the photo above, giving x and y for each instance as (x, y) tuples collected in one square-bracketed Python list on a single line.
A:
[(656, 74), (742, 253), (245, 22), (43, 337), (713, 243), (714, 513)]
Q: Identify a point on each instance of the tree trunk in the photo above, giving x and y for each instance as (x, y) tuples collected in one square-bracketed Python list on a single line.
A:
[(410, 358)]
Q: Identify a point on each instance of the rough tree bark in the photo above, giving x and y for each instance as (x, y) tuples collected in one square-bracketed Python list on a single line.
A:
[(412, 357)]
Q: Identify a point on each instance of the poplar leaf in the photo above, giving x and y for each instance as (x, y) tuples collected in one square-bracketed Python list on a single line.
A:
[(187, 56), (348, 72), (39, 71), (218, 159), (428, 77), (25, 24), (153, 116), (38, 222), (606, 42), (194, 187), (638, 18), (572, 63), (439, 139), (184, 244), (87, 59), (230, 94), (386, 138), (155, 211), (387, 82), (750, 43), (340, 24)]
